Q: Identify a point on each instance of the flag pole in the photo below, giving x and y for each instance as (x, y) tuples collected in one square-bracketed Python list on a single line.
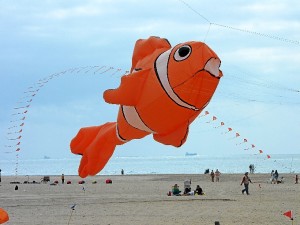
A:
[(70, 217)]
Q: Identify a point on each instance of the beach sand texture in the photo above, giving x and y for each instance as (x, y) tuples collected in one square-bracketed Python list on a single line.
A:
[(142, 200)]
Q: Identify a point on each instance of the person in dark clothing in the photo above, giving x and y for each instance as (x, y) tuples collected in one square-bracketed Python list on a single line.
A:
[(62, 178), (198, 190)]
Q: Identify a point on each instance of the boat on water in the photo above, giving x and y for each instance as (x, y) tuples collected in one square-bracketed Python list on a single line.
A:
[(190, 154)]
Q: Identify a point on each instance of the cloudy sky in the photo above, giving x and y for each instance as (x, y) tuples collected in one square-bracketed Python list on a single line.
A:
[(257, 41)]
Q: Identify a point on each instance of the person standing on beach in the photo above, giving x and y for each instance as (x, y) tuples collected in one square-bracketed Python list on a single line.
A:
[(217, 174), (62, 178), (276, 175), (246, 180), (212, 175), (296, 179)]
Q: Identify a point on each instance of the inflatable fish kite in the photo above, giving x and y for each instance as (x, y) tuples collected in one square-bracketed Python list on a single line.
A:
[(166, 90)]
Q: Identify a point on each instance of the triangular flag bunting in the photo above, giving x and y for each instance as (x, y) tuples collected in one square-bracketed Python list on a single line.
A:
[(289, 214)]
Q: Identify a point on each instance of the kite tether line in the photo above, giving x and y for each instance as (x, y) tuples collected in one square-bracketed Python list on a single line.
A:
[(238, 29)]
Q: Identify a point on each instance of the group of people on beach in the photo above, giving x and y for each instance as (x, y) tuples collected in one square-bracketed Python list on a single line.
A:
[(187, 190), (275, 177), (251, 168), (214, 175)]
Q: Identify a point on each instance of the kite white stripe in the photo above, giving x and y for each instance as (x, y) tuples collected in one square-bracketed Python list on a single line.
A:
[(133, 118), (161, 65)]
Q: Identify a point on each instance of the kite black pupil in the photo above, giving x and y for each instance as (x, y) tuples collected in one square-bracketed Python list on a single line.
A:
[(183, 51)]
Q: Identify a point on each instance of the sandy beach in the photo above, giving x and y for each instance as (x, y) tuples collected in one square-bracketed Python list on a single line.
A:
[(142, 199)]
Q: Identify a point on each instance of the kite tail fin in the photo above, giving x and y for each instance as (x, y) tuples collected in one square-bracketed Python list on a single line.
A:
[(96, 145)]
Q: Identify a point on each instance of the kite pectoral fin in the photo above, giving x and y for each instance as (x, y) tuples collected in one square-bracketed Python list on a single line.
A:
[(96, 145), (175, 138), (129, 91)]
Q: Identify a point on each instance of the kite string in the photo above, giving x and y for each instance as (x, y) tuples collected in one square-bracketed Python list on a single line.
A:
[(38, 85), (258, 33), (207, 32), (203, 17), (239, 29)]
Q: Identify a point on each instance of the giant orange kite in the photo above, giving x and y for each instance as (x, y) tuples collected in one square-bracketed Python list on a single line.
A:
[(166, 90)]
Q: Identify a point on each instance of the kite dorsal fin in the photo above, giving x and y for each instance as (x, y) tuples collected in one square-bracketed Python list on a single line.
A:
[(145, 47)]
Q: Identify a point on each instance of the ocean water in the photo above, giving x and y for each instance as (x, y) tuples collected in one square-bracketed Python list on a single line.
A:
[(158, 165)]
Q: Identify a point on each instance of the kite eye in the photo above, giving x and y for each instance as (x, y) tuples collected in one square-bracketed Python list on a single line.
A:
[(182, 53)]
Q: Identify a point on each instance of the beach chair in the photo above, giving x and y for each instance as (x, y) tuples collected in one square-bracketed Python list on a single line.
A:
[(45, 179)]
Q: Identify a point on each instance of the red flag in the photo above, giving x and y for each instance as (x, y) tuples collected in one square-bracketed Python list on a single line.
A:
[(206, 113), (260, 151), (268, 156), (289, 214), (229, 129), (214, 118), (237, 134)]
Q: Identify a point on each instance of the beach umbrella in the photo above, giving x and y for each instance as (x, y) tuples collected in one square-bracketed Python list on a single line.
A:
[(3, 216), (166, 90)]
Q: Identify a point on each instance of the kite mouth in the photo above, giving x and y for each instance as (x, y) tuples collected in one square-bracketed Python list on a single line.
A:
[(212, 67)]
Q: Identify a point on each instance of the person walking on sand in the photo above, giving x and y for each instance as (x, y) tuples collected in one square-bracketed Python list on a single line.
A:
[(217, 174), (246, 180)]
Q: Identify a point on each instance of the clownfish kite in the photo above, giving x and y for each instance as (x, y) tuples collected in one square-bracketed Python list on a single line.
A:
[(166, 90)]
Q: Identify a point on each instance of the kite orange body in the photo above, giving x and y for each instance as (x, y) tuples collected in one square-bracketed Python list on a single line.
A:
[(3, 216), (166, 90)]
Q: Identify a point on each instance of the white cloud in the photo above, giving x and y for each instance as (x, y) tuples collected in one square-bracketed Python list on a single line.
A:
[(69, 13), (266, 7), (267, 59)]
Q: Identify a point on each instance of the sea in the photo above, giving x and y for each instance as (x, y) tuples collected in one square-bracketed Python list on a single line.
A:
[(187, 164)]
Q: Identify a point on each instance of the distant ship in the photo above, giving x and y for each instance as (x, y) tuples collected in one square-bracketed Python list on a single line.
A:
[(190, 154), (46, 157)]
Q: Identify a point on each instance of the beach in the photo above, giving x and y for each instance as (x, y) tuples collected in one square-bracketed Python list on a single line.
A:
[(143, 199)]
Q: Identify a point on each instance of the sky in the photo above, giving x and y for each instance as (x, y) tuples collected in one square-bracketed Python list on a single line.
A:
[(257, 42)]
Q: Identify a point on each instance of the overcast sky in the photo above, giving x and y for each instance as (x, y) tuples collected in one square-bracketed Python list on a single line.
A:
[(258, 97)]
